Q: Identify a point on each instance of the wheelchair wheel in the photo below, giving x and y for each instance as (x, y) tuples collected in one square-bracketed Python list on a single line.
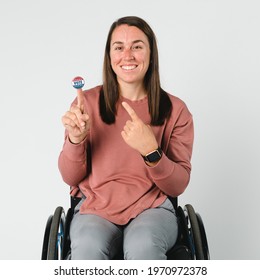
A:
[(56, 236), (194, 229), (203, 238), (66, 239), (184, 240), (46, 238)]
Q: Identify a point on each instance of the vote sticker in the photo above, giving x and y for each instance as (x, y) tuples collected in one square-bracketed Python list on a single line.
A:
[(78, 82)]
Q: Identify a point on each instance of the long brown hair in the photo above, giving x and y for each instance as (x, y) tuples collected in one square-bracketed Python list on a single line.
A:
[(158, 101)]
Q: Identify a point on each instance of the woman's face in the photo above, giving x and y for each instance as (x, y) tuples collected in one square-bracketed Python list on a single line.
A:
[(129, 54)]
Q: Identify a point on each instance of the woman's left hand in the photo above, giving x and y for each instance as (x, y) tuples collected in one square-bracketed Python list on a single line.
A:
[(137, 134)]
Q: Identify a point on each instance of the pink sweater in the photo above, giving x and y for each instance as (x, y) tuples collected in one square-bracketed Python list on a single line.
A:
[(114, 178)]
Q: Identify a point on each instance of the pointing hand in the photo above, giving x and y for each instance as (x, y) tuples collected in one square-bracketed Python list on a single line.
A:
[(137, 134)]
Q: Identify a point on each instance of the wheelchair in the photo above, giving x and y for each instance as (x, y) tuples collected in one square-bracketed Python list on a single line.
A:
[(191, 243)]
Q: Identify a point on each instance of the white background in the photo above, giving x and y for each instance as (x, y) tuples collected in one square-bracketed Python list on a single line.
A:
[(209, 57)]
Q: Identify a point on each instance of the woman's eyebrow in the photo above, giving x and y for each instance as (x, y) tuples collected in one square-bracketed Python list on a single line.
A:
[(138, 41), (134, 42)]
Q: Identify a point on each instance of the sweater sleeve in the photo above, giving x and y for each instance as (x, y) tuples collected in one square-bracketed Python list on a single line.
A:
[(172, 173), (72, 162)]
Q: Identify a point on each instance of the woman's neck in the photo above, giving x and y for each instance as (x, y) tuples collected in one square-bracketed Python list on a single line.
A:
[(132, 92)]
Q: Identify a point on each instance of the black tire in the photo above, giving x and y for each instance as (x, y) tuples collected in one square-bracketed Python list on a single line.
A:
[(184, 234), (203, 238), (194, 231), (56, 237), (66, 240), (46, 238)]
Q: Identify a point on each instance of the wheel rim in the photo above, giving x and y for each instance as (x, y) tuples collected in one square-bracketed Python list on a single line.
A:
[(56, 235), (194, 229)]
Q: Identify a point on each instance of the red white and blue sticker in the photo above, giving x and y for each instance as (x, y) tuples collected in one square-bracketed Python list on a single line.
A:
[(78, 82)]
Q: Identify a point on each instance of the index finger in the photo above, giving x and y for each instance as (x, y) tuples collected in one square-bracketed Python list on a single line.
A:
[(78, 83), (80, 97), (131, 112)]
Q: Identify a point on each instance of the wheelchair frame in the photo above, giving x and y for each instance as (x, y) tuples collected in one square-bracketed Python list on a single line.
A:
[(191, 243)]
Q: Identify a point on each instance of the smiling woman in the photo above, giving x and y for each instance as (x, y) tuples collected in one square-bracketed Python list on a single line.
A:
[(130, 57), (150, 85), (125, 151)]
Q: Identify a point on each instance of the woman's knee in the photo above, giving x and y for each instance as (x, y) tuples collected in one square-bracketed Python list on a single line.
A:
[(143, 244), (88, 249), (150, 235)]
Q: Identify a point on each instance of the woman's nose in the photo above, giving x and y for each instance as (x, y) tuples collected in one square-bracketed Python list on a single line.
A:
[(128, 54)]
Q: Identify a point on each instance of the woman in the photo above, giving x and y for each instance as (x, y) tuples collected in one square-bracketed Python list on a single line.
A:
[(128, 146)]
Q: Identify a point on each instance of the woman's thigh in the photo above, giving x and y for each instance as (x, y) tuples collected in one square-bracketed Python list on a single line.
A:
[(93, 237), (152, 233)]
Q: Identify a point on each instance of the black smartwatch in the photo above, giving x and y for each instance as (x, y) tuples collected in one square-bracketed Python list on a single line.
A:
[(154, 155)]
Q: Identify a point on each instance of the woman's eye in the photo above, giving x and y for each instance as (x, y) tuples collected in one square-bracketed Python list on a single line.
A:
[(137, 47), (118, 48)]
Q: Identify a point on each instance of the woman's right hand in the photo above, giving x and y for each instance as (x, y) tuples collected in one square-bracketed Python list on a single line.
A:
[(76, 121)]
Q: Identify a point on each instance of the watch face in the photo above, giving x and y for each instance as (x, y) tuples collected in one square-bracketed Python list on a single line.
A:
[(154, 156)]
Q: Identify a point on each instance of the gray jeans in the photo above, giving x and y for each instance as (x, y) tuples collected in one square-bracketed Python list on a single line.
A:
[(149, 236)]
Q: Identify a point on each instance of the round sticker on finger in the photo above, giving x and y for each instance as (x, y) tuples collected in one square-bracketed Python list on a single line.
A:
[(78, 82)]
